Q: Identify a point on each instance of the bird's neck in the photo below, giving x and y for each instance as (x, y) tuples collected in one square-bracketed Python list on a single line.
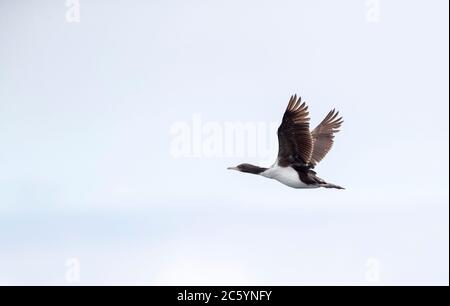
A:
[(254, 169)]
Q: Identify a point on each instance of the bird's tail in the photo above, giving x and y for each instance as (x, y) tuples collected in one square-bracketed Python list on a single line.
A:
[(328, 185), (321, 182)]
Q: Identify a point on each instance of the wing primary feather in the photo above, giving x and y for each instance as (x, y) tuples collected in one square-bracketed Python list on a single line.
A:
[(294, 136), (323, 136)]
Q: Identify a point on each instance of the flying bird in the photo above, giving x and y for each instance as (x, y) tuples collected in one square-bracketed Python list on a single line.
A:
[(300, 149)]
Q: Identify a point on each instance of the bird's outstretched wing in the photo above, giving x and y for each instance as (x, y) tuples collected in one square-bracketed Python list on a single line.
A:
[(294, 137), (323, 136)]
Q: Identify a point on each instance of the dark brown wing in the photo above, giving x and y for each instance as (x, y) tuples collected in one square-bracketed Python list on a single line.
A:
[(294, 137), (323, 136)]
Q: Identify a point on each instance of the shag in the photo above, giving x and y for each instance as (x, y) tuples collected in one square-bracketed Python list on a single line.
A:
[(299, 148)]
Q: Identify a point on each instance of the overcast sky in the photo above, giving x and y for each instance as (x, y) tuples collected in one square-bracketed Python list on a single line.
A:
[(94, 101)]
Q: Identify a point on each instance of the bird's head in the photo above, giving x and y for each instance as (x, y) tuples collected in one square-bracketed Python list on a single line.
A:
[(248, 168)]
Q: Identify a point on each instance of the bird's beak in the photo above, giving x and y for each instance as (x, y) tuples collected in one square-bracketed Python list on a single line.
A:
[(233, 168)]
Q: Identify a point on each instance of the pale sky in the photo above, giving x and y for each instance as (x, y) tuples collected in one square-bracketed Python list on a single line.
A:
[(86, 114)]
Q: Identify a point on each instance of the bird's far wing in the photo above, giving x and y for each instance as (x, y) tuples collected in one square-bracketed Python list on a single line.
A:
[(294, 137), (323, 136)]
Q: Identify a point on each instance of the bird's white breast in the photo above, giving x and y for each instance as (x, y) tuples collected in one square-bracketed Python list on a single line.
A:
[(287, 176)]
